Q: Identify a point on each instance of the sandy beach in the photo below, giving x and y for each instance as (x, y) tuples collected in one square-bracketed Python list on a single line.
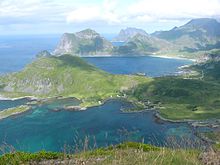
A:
[(17, 98), (170, 57)]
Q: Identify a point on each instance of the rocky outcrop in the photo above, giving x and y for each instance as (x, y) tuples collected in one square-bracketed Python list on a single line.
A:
[(43, 53), (128, 33), (86, 42)]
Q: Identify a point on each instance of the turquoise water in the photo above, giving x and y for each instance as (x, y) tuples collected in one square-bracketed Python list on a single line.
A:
[(4, 104), (50, 127)]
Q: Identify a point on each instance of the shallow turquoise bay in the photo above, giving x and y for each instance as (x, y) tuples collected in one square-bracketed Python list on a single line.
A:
[(44, 128)]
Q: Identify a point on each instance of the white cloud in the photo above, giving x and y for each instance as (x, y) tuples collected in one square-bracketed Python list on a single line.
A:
[(15, 11), (145, 11), (106, 12), (16, 8), (175, 9), (103, 14), (84, 14)]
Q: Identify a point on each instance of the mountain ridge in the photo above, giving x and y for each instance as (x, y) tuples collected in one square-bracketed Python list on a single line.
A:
[(190, 40), (195, 35)]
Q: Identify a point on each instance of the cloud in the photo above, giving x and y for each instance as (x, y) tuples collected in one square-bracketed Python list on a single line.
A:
[(17, 11), (143, 11), (109, 12), (175, 9), (104, 12)]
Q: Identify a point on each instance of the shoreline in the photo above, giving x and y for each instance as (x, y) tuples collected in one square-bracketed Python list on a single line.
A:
[(156, 114), (139, 55), (2, 98), (171, 57), (14, 111)]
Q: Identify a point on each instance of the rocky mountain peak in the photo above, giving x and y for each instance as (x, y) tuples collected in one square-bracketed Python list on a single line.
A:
[(87, 34), (126, 34)]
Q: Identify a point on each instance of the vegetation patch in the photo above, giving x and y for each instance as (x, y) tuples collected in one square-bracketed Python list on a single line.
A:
[(18, 158), (13, 111), (125, 153)]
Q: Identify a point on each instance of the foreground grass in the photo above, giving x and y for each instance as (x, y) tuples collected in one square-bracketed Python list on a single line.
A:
[(129, 153)]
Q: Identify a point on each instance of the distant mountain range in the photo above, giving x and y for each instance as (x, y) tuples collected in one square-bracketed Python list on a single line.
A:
[(195, 36)]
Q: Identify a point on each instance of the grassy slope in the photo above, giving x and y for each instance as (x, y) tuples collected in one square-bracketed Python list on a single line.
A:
[(66, 76), (182, 98), (185, 98), (127, 153)]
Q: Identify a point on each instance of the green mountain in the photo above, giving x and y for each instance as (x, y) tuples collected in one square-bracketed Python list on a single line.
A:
[(196, 35), (143, 44), (190, 96), (67, 76), (86, 42), (210, 69)]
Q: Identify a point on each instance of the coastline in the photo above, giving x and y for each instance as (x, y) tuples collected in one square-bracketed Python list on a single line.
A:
[(171, 57), (14, 111), (192, 123), (2, 98), (156, 112), (139, 55)]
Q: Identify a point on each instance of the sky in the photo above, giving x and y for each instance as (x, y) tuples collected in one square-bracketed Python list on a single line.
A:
[(105, 16)]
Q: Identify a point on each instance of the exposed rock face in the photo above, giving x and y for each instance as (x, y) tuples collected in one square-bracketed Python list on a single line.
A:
[(43, 53), (128, 33), (197, 34), (87, 34), (86, 42), (214, 56)]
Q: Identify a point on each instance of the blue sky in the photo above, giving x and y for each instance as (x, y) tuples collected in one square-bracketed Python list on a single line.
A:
[(105, 16)]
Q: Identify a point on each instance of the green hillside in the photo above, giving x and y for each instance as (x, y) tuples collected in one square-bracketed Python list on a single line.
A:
[(185, 97), (144, 44), (197, 35), (67, 76)]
